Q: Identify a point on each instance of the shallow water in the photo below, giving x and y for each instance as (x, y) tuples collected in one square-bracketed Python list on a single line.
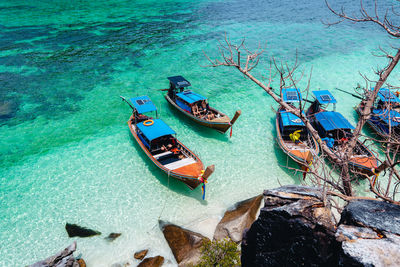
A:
[(67, 154)]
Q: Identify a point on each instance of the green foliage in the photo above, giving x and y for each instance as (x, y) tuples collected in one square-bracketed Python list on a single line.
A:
[(219, 253)]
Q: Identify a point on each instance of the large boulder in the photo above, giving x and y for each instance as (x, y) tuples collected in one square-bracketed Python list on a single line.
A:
[(236, 220), (294, 228), (185, 244), (63, 258), (374, 214), (369, 231), (76, 230)]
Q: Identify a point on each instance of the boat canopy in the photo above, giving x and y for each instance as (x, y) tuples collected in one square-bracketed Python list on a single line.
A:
[(190, 96), (179, 81), (331, 120), (324, 97), (386, 116), (156, 130), (143, 104), (289, 119), (387, 96), (291, 95)]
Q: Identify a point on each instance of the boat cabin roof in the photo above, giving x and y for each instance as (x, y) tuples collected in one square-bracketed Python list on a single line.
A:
[(143, 104), (331, 120), (386, 116), (179, 81), (386, 95), (156, 130), (324, 97), (289, 119), (291, 95), (190, 96)]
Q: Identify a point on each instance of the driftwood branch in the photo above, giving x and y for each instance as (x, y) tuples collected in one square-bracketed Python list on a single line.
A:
[(365, 16)]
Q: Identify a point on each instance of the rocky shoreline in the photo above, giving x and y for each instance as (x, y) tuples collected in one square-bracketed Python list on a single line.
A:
[(295, 226)]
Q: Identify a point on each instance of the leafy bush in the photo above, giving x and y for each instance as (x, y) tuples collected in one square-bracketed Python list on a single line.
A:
[(219, 253)]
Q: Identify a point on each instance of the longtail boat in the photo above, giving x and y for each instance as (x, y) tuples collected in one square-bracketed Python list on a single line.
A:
[(336, 130), (292, 136), (196, 107), (160, 144), (385, 116)]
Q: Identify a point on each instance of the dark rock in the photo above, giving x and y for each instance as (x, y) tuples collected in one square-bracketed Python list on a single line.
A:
[(112, 236), (185, 244), (64, 258), (294, 228), (369, 234), (373, 214), (235, 221), (152, 262), (141, 254), (76, 230)]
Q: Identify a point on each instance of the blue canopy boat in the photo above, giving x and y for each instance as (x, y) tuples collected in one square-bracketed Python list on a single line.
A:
[(335, 130), (292, 136), (385, 116), (196, 107), (159, 143)]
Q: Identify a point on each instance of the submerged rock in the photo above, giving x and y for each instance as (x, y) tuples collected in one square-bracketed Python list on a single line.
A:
[(76, 230), (64, 258), (236, 220), (369, 232), (8, 110), (152, 262), (185, 244), (294, 228), (112, 236), (140, 254)]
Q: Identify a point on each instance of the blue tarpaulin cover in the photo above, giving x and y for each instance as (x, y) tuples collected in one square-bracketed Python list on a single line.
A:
[(190, 96), (331, 120), (289, 119), (385, 115), (179, 81), (291, 95), (158, 129), (324, 97), (143, 104), (387, 96)]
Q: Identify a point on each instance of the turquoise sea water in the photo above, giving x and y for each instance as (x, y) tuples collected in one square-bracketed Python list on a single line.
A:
[(67, 154)]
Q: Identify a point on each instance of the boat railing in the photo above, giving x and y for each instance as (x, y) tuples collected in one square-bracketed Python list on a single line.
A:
[(185, 152)]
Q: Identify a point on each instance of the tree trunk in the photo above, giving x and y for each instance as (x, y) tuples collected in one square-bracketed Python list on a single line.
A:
[(366, 111)]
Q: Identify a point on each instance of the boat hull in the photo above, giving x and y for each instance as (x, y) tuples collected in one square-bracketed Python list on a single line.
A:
[(381, 129), (303, 155), (360, 165), (188, 174), (222, 126)]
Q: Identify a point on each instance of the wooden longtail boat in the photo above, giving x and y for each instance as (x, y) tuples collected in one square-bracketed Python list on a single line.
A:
[(159, 143), (385, 116), (292, 135), (336, 130), (196, 107)]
